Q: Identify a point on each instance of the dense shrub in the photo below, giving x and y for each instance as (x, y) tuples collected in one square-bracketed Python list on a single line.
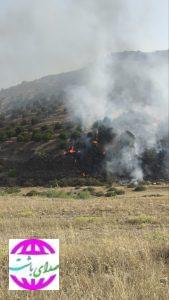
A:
[(36, 135), (120, 192), (32, 193), (55, 194), (83, 195), (12, 190), (51, 193), (140, 188), (117, 191), (9, 191), (64, 135), (24, 137), (111, 194), (47, 136)]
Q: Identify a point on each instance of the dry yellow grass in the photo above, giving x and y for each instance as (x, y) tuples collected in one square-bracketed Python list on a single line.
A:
[(110, 248)]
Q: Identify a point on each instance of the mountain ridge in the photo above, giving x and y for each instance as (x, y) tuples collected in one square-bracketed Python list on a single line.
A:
[(54, 85)]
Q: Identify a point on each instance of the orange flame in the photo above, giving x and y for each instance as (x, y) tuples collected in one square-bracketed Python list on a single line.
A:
[(72, 150), (94, 142)]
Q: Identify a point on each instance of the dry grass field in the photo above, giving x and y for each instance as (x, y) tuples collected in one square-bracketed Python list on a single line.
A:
[(110, 247)]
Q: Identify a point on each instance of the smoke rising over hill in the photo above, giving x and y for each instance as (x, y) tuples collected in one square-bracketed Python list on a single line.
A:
[(131, 91), (49, 37), (120, 102)]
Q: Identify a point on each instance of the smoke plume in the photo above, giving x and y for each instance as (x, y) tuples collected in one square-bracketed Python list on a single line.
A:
[(40, 37), (130, 89)]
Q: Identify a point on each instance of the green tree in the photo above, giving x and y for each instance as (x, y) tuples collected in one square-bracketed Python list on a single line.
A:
[(24, 137), (47, 136), (36, 135)]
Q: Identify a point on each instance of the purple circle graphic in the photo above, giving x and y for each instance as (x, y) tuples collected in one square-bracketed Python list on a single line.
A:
[(33, 247), (33, 244)]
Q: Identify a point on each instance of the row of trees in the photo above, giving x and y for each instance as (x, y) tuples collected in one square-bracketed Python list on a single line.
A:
[(45, 133)]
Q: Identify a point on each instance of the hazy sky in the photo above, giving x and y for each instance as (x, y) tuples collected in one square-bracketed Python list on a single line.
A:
[(41, 37)]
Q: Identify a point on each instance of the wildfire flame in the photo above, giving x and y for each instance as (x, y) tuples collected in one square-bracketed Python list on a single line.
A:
[(95, 142), (72, 150)]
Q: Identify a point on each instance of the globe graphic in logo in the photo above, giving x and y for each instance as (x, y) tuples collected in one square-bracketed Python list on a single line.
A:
[(31, 248)]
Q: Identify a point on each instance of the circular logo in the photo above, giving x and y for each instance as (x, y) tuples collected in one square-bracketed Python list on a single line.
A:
[(33, 258)]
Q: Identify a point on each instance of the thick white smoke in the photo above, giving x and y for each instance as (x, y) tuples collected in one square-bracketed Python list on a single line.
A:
[(131, 89), (41, 37)]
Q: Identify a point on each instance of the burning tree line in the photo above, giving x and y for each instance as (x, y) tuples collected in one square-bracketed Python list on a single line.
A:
[(104, 152)]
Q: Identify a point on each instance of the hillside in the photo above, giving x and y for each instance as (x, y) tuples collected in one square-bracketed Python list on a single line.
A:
[(39, 139)]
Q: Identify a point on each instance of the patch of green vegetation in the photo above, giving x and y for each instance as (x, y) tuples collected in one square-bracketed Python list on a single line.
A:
[(24, 137), (32, 193), (116, 191), (111, 194), (83, 195), (2, 193), (47, 136), (9, 191), (142, 219), (12, 190), (140, 188), (25, 213), (36, 135), (56, 194)]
